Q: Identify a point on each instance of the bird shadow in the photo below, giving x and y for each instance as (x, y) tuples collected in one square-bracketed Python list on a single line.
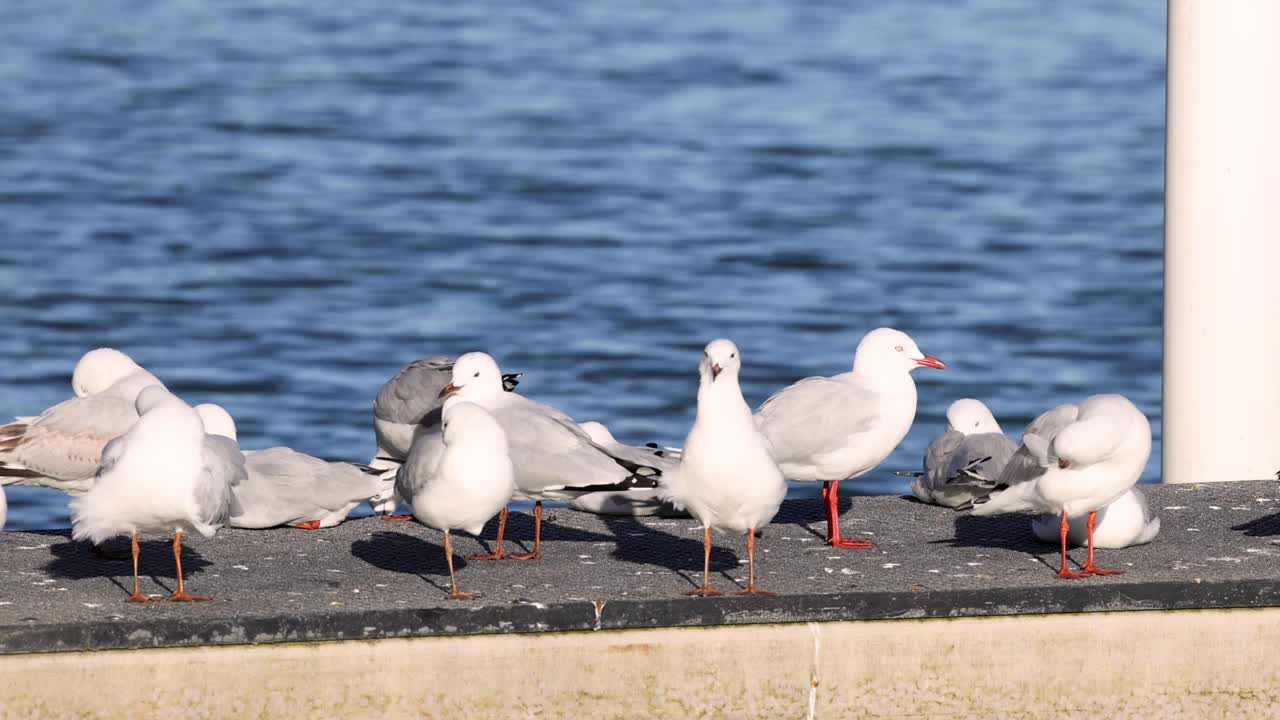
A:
[(80, 560), (1010, 532), (408, 554), (1006, 532), (1265, 526), (638, 543)]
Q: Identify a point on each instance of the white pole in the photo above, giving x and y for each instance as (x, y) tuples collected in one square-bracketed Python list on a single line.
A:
[(1222, 241)]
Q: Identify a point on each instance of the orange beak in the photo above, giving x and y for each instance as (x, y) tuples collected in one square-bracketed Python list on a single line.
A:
[(447, 389)]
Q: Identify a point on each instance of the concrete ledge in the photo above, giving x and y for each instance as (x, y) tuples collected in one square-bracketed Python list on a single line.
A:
[(1181, 664), (367, 579)]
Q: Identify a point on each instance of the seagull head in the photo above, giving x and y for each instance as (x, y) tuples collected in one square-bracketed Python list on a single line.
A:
[(216, 420), (474, 373), (100, 369), (885, 349), (971, 417), (720, 357)]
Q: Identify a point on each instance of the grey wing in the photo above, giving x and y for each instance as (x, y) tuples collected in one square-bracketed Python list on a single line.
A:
[(982, 456), (938, 457), (421, 466), (224, 468), (414, 392), (66, 442), (814, 416), (302, 483), (1030, 460), (551, 453)]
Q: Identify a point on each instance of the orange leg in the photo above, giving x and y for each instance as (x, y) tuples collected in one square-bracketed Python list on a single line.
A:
[(397, 518), (706, 590), (1063, 571), (537, 536), (137, 596), (751, 588), (308, 525), (454, 592), (1089, 568), (181, 595), (498, 553), (832, 498)]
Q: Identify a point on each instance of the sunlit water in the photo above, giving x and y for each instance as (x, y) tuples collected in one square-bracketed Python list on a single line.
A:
[(276, 205)]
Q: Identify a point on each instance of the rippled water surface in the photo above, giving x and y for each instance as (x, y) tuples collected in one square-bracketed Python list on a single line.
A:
[(275, 205)]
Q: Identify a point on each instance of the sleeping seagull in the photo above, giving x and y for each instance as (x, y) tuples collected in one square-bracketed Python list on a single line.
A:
[(964, 461)]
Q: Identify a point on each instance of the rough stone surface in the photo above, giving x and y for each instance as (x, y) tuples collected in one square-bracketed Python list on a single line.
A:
[(1219, 547)]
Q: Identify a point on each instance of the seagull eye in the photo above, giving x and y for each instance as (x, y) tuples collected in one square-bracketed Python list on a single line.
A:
[(898, 348), (733, 355), (477, 374)]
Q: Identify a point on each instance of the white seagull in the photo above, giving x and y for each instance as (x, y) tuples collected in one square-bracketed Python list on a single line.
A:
[(158, 476), (727, 478), (458, 478), (62, 447), (281, 486), (554, 458), (837, 428), (962, 462), (407, 405), (1097, 456)]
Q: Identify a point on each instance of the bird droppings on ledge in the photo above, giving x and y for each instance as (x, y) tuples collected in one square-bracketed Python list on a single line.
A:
[(56, 595)]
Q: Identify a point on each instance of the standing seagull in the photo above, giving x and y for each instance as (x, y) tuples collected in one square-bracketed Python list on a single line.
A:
[(62, 447), (962, 462), (1096, 457), (458, 478), (727, 479), (838, 428), (554, 458), (156, 477), (407, 405)]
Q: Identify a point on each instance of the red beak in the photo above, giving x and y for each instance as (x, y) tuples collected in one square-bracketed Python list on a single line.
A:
[(931, 362), (450, 388), (715, 371)]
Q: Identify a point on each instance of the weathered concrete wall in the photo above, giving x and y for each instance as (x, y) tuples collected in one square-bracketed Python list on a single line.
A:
[(1170, 664)]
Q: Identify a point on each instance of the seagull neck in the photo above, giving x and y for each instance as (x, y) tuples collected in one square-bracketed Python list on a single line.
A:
[(721, 396)]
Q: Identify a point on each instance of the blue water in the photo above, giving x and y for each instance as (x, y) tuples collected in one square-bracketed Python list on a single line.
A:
[(274, 205)]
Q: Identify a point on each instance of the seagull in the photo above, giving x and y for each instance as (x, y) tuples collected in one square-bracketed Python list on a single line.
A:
[(409, 404), (1096, 455), (727, 479), (554, 458), (281, 486), (965, 459), (1121, 523), (459, 477), (62, 447), (158, 476), (840, 427)]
